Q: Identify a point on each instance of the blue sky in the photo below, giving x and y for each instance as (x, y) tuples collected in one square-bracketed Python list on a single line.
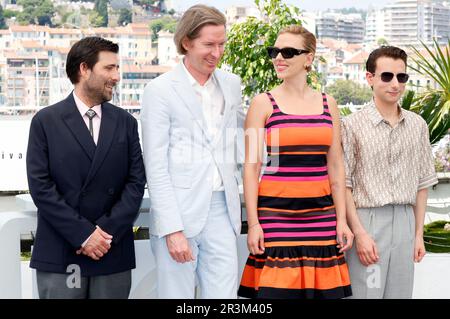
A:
[(302, 4)]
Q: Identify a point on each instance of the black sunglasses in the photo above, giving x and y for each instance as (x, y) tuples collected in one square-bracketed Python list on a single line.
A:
[(286, 53), (388, 76)]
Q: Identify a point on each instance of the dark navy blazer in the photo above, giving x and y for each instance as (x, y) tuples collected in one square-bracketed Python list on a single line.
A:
[(77, 185)]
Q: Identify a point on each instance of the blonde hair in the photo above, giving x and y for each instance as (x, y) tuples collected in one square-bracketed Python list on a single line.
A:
[(192, 22), (309, 40)]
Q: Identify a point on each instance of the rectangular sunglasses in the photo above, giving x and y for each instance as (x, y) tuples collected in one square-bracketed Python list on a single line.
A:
[(388, 76), (286, 53)]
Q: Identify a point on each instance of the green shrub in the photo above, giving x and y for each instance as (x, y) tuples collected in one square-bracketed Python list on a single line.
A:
[(437, 240)]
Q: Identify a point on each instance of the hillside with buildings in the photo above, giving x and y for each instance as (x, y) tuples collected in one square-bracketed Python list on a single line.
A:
[(32, 56)]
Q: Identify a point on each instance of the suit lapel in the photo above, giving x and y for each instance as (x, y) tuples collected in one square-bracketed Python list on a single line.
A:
[(186, 93), (105, 138), (77, 126), (227, 98)]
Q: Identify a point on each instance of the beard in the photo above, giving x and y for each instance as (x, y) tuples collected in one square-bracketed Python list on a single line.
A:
[(97, 92)]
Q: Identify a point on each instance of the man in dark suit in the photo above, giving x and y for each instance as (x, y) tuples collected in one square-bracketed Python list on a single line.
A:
[(86, 177)]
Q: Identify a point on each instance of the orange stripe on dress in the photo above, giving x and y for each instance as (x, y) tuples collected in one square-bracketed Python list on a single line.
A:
[(250, 276), (305, 277), (294, 189), (292, 136)]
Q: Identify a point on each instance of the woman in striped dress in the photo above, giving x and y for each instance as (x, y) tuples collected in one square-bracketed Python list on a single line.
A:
[(296, 213)]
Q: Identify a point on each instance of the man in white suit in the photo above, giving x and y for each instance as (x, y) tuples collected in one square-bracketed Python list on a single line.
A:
[(190, 121)]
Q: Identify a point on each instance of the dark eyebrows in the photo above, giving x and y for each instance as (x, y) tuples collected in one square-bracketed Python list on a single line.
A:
[(112, 65)]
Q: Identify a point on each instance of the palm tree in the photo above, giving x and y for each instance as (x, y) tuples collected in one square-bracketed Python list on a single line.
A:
[(434, 103)]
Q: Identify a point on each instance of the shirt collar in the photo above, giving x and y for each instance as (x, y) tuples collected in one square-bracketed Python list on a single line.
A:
[(194, 82), (82, 107), (375, 116)]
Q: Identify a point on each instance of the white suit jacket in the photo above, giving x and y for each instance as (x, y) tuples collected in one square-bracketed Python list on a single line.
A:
[(179, 154)]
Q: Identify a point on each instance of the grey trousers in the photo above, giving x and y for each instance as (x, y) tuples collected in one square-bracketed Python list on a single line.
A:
[(63, 286), (393, 229)]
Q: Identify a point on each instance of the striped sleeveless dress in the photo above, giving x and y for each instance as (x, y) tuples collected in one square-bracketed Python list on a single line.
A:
[(297, 215)]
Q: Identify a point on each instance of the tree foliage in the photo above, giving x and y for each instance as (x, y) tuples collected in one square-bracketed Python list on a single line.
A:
[(349, 92), (167, 23), (10, 13), (101, 7), (2, 19), (95, 19), (36, 12), (245, 51), (382, 41), (125, 16), (44, 13)]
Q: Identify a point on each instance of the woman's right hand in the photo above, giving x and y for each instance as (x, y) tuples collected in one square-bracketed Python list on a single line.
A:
[(255, 239)]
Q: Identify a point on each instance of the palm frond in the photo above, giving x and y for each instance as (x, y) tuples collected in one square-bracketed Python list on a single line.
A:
[(408, 100), (433, 105)]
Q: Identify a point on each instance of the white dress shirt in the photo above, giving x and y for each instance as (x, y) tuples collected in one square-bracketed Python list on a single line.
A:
[(96, 120), (213, 105)]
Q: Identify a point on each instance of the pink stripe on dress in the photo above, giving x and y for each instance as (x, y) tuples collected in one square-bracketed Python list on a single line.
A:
[(300, 125), (294, 178), (301, 234), (311, 225), (297, 218), (299, 117), (295, 169)]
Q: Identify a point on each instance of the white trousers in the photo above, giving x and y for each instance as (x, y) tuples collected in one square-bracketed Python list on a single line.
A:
[(215, 267)]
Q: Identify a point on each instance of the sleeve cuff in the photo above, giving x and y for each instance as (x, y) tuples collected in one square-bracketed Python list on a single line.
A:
[(85, 242), (348, 182), (170, 231), (427, 182)]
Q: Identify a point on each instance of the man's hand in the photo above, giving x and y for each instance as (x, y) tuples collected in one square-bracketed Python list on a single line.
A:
[(367, 249), (419, 249), (98, 244), (179, 248)]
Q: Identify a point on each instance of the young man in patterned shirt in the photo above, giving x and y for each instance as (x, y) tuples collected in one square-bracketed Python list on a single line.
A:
[(389, 166)]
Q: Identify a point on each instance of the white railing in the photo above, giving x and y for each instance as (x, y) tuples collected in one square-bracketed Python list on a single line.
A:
[(432, 276)]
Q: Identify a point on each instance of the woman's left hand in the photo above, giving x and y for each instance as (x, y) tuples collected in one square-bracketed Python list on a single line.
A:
[(344, 237)]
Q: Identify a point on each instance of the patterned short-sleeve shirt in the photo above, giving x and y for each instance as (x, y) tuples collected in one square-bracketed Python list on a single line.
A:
[(386, 165)]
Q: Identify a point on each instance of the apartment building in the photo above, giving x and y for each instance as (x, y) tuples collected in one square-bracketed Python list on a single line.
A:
[(348, 27), (408, 22), (27, 79)]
